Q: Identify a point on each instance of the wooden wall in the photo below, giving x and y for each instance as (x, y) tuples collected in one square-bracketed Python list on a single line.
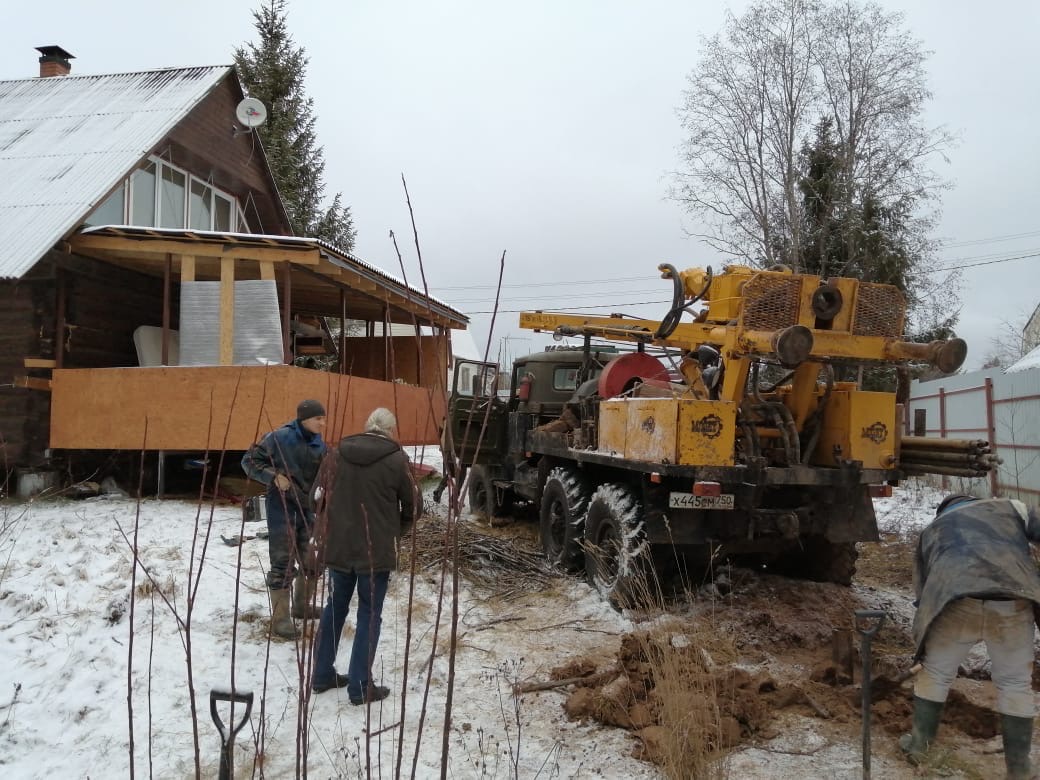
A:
[(203, 142), (26, 330), (398, 358), (103, 306), (218, 408)]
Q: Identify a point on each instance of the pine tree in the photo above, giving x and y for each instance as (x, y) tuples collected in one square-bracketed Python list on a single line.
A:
[(273, 70)]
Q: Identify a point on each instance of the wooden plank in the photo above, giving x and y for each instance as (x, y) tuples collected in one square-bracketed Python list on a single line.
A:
[(227, 312), (93, 244), (187, 268), (222, 407), (267, 270), (40, 363), (32, 383)]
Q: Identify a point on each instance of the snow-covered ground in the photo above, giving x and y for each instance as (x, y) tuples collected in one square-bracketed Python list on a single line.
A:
[(65, 629), (74, 635)]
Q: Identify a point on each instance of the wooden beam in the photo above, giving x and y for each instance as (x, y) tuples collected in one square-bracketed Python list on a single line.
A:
[(32, 383), (40, 363), (59, 318), (187, 268), (166, 284), (267, 270), (287, 356), (87, 244), (342, 331), (227, 311)]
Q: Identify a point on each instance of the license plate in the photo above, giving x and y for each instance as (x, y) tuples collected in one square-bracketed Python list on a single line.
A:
[(690, 501)]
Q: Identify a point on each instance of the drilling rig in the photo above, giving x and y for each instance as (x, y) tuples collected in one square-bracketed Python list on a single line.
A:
[(743, 432)]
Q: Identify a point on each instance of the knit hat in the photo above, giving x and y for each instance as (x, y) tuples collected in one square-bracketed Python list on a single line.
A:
[(951, 500), (309, 408)]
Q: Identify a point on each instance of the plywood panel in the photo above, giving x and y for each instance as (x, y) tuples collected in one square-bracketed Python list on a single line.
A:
[(221, 407)]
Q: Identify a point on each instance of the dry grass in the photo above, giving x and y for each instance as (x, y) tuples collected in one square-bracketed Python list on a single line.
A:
[(146, 587), (680, 662)]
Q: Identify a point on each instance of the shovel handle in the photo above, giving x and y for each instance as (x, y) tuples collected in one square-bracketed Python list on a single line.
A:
[(864, 615), (221, 694)]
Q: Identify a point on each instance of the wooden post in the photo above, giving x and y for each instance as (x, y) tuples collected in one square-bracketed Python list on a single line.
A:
[(167, 272), (287, 356), (342, 331), (187, 268), (227, 311), (942, 427), (267, 270), (59, 319), (991, 432)]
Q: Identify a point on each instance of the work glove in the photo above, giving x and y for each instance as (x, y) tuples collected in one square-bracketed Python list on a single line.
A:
[(282, 482)]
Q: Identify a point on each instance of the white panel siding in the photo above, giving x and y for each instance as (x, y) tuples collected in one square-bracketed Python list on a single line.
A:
[(1016, 424)]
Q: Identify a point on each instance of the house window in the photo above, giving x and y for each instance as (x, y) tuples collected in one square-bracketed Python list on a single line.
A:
[(200, 209), (171, 198), (222, 211), (142, 196), (112, 210), (161, 195)]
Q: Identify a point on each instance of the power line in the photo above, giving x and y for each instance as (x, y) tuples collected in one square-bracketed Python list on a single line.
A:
[(575, 308), (983, 262)]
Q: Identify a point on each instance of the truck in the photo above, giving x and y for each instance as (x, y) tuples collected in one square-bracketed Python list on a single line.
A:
[(741, 431)]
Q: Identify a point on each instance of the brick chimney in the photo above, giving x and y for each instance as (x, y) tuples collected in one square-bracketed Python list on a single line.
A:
[(54, 61)]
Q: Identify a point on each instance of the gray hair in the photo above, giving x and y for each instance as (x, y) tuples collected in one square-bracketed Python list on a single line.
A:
[(381, 421)]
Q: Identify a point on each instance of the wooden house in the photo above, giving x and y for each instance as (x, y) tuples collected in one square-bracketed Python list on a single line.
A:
[(152, 295)]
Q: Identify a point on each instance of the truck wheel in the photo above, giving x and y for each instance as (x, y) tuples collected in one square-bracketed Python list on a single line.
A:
[(481, 493), (565, 499), (832, 561), (616, 554), (821, 560)]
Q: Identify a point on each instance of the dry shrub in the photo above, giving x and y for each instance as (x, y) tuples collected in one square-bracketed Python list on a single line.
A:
[(147, 586), (691, 725)]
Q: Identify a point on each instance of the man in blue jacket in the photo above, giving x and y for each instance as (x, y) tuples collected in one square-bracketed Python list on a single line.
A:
[(287, 461), (976, 581)]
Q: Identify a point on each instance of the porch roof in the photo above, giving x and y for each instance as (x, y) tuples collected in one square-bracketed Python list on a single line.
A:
[(319, 271)]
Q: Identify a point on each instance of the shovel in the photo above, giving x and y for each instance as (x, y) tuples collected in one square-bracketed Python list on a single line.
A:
[(867, 632), (227, 738)]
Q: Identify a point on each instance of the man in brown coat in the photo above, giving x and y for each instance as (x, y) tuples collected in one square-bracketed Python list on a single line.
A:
[(371, 505)]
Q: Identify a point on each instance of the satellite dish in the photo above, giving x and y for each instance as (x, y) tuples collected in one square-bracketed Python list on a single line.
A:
[(251, 113)]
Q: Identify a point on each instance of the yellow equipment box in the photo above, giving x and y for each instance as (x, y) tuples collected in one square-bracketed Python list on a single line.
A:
[(858, 425), (613, 423), (670, 430)]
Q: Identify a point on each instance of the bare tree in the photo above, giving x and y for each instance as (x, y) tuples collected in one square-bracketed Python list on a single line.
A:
[(747, 105), (756, 97)]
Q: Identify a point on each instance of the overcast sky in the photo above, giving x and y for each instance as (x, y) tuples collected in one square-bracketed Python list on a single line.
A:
[(547, 129)]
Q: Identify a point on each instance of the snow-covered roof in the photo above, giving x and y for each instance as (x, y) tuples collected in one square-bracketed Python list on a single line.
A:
[(66, 141), (1030, 360), (463, 346)]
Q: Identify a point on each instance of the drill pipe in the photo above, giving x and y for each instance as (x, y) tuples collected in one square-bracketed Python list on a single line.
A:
[(949, 471), (926, 443)]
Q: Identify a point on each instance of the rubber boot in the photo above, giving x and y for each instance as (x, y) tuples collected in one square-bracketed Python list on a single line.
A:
[(303, 607), (281, 623), (1018, 739), (925, 725)]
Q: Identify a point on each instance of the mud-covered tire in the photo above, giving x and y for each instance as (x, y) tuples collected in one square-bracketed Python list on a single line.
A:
[(565, 500), (616, 553), (821, 560), (481, 494), (834, 562)]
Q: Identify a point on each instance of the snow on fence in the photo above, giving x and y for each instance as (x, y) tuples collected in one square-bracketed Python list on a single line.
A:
[(1002, 408)]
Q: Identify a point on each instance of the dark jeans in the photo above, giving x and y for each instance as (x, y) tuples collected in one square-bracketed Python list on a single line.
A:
[(289, 531), (371, 590)]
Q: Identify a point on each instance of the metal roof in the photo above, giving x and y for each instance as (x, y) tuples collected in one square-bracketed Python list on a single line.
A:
[(333, 254), (66, 141)]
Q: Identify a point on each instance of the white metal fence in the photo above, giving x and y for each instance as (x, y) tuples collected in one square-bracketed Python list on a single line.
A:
[(1003, 409)]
